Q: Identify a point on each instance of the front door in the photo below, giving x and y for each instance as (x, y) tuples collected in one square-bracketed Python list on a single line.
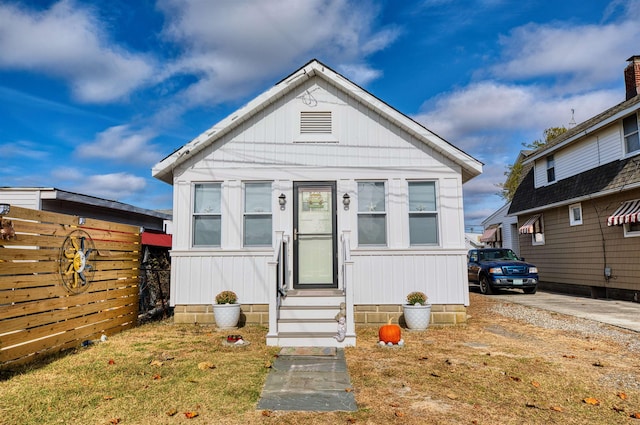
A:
[(314, 235)]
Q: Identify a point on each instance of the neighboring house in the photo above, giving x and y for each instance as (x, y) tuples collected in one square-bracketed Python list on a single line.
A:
[(579, 203), (501, 230), (64, 202), (318, 190)]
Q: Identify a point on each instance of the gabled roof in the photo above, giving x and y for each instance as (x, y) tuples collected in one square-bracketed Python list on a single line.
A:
[(499, 214), (599, 181), (469, 165), (594, 123)]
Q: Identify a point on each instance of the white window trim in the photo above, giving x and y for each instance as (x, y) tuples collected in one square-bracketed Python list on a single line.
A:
[(624, 136), (262, 213), (538, 239), (547, 168), (436, 212), (385, 213), (194, 214), (572, 220), (628, 233)]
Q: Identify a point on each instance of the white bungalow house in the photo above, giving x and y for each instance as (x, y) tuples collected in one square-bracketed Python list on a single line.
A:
[(317, 195)]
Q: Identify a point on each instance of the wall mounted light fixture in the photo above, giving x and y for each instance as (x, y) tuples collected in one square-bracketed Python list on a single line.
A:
[(346, 200), (282, 200)]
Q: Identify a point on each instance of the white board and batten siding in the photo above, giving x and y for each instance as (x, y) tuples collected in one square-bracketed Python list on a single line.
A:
[(601, 147), (362, 146)]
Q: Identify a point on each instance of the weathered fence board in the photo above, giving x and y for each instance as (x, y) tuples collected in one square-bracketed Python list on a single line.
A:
[(62, 283)]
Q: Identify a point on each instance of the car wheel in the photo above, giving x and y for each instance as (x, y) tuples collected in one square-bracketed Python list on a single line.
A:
[(530, 290), (485, 286)]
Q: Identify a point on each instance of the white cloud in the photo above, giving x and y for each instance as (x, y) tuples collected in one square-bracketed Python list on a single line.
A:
[(360, 74), (23, 149), (115, 186), (122, 144), (233, 46), (67, 41), (578, 56), (67, 174), (489, 110)]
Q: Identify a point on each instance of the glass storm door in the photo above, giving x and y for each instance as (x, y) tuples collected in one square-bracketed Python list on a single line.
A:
[(314, 235)]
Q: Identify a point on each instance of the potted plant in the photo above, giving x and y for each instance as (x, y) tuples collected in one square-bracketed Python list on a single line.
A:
[(226, 310), (417, 312)]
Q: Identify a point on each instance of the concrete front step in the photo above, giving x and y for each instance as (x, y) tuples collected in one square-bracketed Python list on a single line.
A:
[(305, 312), (333, 301), (297, 339), (308, 326), (313, 297)]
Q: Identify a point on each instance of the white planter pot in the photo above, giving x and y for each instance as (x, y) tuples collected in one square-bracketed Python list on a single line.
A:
[(417, 317), (226, 315)]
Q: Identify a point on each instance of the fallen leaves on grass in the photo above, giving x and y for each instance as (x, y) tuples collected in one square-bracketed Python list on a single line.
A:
[(156, 377), (171, 412), (111, 362), (598, 364), (535, 384), (515, 378), (190, 415), (568, 356), (156, 363), (107, 397), (556, 408), (114, 421), (622, 395), (635, 415), (592, 401), (399, 414), (267, 413), (206, 365)]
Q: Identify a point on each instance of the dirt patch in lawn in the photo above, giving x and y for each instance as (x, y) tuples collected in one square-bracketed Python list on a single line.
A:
[(501, 368)]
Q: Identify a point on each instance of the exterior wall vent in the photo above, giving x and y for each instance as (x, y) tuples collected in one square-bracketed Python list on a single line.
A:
[(315, 122)]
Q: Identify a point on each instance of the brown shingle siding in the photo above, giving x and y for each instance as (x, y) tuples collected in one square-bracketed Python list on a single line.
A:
[(574, 254)]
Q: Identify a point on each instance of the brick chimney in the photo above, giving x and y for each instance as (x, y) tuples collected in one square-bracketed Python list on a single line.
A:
[(632, 77)]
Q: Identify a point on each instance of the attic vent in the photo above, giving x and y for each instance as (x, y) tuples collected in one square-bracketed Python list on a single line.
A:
[(315, 122)]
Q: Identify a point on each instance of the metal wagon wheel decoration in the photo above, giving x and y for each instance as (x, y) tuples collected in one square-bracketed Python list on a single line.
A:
[(76, 256)]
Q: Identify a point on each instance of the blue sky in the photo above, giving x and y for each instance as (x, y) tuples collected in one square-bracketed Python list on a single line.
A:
[(93, 94)]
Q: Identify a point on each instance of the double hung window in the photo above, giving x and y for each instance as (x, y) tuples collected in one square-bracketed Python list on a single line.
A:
[(372, 215), (423, 214), (551, 169), (206, 214), (257, 214), (631, 138)]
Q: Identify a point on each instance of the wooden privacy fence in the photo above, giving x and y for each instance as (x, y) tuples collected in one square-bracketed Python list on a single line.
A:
[(63, 280)]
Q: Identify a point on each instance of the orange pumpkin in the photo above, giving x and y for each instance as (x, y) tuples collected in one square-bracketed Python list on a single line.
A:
[(389, 333)]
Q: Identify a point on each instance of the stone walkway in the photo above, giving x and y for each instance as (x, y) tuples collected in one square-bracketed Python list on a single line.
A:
[(308, 379)]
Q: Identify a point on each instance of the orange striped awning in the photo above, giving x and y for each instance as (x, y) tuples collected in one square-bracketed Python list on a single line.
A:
[(489, 235), (527, 227), (628, 212)]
